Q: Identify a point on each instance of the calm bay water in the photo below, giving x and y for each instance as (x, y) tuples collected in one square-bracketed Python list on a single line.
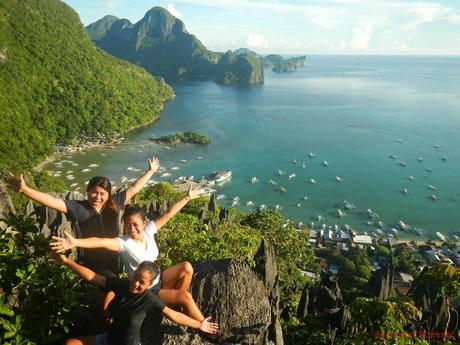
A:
[(348, 110)]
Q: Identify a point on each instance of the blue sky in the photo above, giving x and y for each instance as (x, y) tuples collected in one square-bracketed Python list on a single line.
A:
[(303, 26)]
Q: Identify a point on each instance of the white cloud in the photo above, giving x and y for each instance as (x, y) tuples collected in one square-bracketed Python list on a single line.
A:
[(424, 13), (111, 3), (361, 36), (173, 10), (256, 41)]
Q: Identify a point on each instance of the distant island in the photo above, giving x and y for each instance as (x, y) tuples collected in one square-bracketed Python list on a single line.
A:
[(183, 137), (275, 61), (160, 43)]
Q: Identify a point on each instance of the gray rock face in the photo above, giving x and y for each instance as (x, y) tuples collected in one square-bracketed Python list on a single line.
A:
[(6, 205), (233, 294), (325, 302), (381, 282)]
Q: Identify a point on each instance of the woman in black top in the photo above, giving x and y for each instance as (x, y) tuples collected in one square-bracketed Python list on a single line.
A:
[(97, 216), (133, 301)]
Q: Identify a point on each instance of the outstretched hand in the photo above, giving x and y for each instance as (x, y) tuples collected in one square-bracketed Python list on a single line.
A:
[(17, 183), (154, 164), (59, 258), (194, 193), (209, 327), (60, 245)]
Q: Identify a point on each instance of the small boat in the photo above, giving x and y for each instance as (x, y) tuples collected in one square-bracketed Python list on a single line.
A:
[(271, 183), (403, 226), (184, 161), (418, 231), (86, 170), (347, 227), (456, 238), (371, 214), (312, 181), (304, 165), (402, 164), (166, 174), (324, 163), (263, 206), (199, 158), (393, 157), (431, 187), (400, 141), (444, 158), (298, 204), (404, 191), (436, 146), (123, 179), (280, 172), (282, 190), (292, 176), (299, 225), (420, 159), (311, 155), (294, 161), (394, 231), (278, 207), (175, 168), (305, 197), (253, 180), (340, 213), (221, 176), (411, 178), (338, 179), (429, 169), (220, 196), (348, 205), (319, 217), (74, 185), (94, 165), (441, 236), (249, 203), (70, 177), (380, 224), (235, 200), (69, 172), (434, 197)]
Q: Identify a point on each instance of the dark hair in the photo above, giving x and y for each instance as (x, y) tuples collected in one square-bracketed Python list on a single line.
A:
[(152, 267), (134, 209), (103, 182)]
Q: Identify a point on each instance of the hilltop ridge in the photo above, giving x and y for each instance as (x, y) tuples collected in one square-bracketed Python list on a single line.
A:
[(160, 43)]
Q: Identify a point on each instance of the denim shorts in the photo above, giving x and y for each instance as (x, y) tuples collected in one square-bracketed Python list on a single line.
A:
[(101, 339)]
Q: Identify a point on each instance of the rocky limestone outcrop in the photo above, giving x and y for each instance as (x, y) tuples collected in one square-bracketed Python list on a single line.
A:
[(381, 282), (6, 204), (243, 301), (325, 302)]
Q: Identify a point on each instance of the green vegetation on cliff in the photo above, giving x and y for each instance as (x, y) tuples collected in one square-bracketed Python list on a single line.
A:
[(184, 137), (57, 86), (160, 43)]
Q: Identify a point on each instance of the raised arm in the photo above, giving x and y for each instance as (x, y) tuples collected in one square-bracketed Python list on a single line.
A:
[(19, 185), (154, 163), (193, 193), (181, 319), (83, 272), (59, 244)]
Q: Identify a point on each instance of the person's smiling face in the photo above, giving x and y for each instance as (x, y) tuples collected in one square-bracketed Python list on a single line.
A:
[(97, 197), (140, 281), (134, 227)]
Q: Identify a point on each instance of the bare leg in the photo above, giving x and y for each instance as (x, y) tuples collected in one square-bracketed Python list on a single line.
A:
[(89, 340), (181, 298), (177, 277)]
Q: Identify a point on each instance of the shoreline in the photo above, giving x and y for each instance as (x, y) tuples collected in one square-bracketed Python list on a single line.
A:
[(61, 150)]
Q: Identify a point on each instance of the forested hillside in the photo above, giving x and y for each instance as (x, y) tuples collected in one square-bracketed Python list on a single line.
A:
[(56, 86)]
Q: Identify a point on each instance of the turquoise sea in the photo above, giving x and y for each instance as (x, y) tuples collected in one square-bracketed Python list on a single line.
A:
[(352, 111)]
